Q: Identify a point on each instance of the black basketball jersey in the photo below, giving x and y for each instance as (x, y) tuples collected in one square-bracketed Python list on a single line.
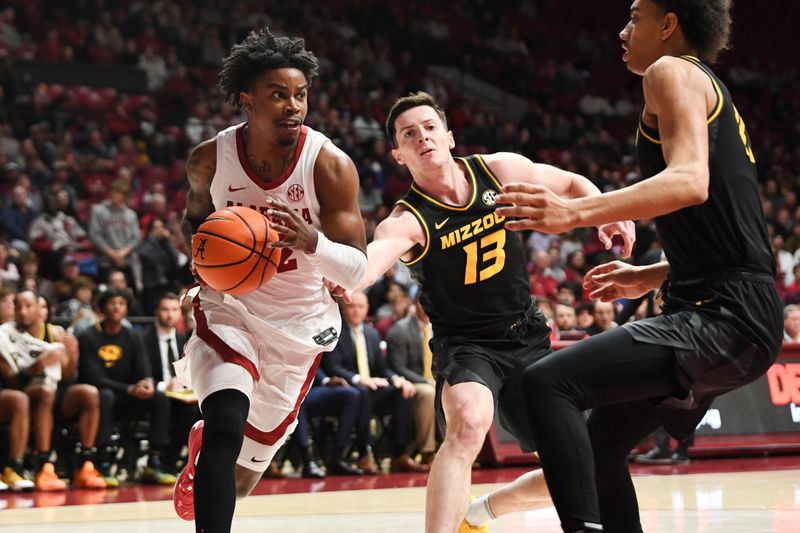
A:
[(728, 231), (472, 272)]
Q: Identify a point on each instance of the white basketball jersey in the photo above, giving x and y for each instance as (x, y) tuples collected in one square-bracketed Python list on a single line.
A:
[(294, 301)]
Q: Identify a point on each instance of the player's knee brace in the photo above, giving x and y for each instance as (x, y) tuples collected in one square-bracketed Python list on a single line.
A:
[(225, 413)]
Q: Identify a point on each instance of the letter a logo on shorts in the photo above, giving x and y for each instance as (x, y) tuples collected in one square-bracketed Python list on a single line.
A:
[(201, 249)]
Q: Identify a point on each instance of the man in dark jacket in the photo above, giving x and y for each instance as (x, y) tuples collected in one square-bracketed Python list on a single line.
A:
[(359, 360)]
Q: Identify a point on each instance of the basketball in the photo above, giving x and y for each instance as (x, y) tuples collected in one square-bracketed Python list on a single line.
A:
[(231, 250)]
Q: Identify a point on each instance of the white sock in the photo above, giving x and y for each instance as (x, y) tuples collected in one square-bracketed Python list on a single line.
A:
[(479, 512)]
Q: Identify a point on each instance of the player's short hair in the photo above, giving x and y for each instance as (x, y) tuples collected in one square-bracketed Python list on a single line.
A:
[(259, 52), (705, 23), (405, 103), (790, 309)]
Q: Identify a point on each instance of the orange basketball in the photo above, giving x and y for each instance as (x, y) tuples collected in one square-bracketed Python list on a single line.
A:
[(231, 250)]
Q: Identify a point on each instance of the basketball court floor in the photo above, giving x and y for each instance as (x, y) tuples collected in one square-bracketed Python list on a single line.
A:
[(731, 496)]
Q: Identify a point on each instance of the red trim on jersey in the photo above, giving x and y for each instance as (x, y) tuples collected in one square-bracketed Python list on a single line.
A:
[(249, 170), (228, 354), (269, 438)]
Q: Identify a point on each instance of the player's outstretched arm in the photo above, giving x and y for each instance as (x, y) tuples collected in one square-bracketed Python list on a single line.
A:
[(675, 93), (556, 183), (395, 236)]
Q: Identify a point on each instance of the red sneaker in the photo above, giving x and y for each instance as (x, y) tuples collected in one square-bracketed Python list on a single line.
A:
[(183, 493)]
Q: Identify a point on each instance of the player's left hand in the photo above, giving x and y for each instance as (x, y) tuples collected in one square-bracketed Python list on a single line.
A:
[(539, 208), (337, 291), (294, 231), (626, 230)]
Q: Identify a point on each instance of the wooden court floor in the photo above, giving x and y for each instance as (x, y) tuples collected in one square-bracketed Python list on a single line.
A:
[(730, 502)]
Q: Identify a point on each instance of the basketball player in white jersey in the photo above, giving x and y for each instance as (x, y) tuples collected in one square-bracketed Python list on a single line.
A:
[(253, 357)]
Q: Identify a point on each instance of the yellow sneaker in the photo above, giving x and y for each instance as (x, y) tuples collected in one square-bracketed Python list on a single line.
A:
[(88, 477), (47, 480), (16, 482), (465, 526)]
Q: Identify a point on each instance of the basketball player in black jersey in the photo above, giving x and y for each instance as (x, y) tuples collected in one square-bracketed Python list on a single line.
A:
[(721, 322), (475, 289)]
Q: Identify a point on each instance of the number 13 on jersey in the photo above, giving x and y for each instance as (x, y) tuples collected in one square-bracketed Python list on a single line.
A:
[(491, 250)]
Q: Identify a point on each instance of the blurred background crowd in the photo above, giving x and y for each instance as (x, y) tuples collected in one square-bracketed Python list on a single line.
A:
[(100, 102)]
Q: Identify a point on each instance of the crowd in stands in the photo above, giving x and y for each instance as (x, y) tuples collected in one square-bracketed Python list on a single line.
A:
[(92, 184)]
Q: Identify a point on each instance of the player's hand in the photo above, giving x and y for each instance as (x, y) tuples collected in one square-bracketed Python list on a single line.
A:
[(197, 277), (294, 231), (616, 279), (626, 230), (538, 207), (337, 291)]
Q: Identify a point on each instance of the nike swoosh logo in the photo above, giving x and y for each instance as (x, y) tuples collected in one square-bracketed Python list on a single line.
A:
[(257, 461), (232, 189), (442, 223)]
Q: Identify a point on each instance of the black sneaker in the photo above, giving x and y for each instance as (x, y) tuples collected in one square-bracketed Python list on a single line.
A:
[(656, 456), (312, 470), (680, 457)]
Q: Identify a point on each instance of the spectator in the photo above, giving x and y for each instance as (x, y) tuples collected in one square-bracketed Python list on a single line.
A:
[(17, 216), (791, 323), (114, 231), (155, 69), (77, 310), (29, 270), (329, 396), (566, 325), (584, 316), (113, 359), (159, 264), (164, 346), (400, 305), (9, 274), (7, 304), (603, 315), (358, 359), (369, 196), (54, 234), (117, 280), (409, 353)]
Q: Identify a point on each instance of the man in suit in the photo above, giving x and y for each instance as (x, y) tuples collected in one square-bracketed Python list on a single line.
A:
[(329, 396), (409, 353), (359, 360), (164, 346)]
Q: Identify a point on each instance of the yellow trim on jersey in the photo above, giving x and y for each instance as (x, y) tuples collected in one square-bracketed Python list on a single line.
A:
[(646, 136), (424, 226), (447, 206), (489, 172), (720, 99)]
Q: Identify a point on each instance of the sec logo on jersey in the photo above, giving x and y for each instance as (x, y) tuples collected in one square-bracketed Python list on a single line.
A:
[(295, 193)]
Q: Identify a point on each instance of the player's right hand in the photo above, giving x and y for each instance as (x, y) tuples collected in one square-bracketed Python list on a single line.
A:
[(610, 281), (337, 291)]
